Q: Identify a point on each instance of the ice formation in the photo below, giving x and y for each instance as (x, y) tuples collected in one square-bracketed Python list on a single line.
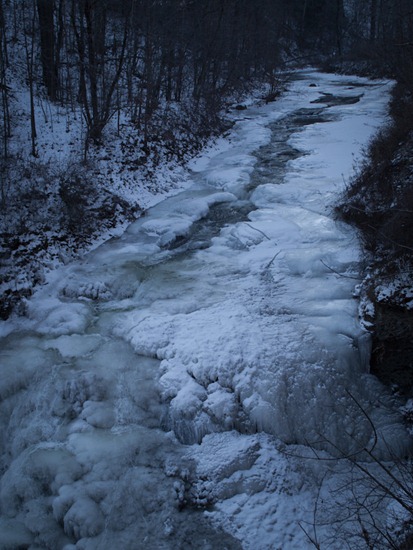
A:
[(168, 372)]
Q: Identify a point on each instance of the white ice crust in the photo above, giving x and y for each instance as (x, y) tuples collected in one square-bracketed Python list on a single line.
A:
[(239, 350)]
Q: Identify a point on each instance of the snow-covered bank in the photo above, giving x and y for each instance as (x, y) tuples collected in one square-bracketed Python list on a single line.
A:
[(56, 206), (169, 383)]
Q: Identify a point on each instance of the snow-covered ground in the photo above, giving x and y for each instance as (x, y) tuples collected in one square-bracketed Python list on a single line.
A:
[(165, 391)]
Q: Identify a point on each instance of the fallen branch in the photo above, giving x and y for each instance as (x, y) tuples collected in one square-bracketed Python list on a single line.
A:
[(259, 230), (271, 261), (337, 273), (382, 211)]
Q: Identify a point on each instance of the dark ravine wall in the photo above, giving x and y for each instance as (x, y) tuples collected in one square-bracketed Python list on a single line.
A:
[(379, 201), (392, 352)]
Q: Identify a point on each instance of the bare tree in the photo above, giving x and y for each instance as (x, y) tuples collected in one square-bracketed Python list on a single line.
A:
[(375, 482), (29, 16), (101, 60)]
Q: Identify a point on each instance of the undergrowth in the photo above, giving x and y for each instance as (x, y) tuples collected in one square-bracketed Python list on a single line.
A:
[(379, 201), (51, 212)]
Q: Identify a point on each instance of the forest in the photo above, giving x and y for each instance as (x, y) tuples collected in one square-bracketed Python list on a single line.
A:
[(105, 104), (137, 57), (163, 72), (157, 77)]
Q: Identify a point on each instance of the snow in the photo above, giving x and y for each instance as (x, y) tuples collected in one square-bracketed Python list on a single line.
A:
[(398, 290), (184, 367)]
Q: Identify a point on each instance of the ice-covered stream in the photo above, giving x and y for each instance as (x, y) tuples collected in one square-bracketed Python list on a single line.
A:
[(150, 397)]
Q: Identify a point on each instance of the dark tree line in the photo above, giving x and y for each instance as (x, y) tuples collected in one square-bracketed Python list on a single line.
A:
[(381, 31), (107, 55), (132, 55)]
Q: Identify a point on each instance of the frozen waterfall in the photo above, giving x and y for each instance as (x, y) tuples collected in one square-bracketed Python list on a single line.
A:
[(148, 396)]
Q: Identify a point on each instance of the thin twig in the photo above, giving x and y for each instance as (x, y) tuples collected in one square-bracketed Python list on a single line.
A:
[(259, 230), (391, 240), (369, 420), (271, 261), (337, 273), (398, 210)]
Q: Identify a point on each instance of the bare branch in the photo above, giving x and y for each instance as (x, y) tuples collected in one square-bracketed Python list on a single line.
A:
[(337, 273)]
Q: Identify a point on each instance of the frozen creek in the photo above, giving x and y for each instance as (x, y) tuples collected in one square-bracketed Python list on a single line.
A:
[(158, 393)]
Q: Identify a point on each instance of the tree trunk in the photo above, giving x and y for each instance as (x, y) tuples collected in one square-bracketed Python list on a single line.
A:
[(373, 20), (29, 49), (45, 9), (6, 130)]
